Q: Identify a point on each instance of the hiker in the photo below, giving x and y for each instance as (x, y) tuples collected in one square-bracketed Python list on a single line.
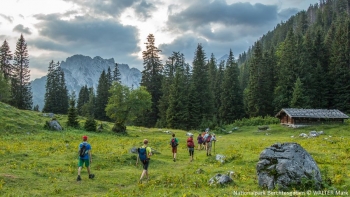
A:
[(173, 143), (190, 146), (145, 153), (200, 142), (210, 140), (85, 157), (206, 135)]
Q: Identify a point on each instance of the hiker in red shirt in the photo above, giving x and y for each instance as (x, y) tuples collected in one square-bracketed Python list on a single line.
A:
[(190, 146)]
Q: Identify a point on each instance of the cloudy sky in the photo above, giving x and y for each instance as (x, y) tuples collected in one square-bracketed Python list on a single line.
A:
[(57, 29)]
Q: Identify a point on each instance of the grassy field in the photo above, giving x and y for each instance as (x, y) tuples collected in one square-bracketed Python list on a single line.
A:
[(37, 162)]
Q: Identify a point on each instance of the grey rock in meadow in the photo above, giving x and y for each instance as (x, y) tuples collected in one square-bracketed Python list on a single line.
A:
[(220, 179), (286, 165), (200, 171), (189, 134), (133, 150), (54, 125), (220, 158), (313, 134)]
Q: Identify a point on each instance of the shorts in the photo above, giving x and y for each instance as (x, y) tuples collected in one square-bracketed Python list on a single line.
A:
[(82, 161), (191, 151), (174, 149), (209, 144), (145, 164)]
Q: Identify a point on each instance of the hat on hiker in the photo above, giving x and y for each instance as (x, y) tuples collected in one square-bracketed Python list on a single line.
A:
[(145, 141), (85, 138)]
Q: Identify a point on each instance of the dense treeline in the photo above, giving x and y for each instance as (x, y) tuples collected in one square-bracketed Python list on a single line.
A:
[(303, 63)]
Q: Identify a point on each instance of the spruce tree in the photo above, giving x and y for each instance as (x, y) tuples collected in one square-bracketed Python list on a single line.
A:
[(175, 62), (82, 99), (232, 96), (109, 77), (299, 100), (56, 95), (322, 84), (5, 93), (5, 60), (116, 73), (72, 113), (201, 97), (50, 97), (102, 96), (152, 80), (36, 108), (339, 66), (218, 86), (88, 109), (177, 111), (20, 82), (287, 72), (212, 74)]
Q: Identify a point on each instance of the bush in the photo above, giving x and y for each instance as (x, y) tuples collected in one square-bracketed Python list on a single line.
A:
[(90, 124), (256, 121)]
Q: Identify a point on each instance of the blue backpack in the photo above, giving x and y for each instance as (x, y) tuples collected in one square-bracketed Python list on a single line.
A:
[(142, 154)]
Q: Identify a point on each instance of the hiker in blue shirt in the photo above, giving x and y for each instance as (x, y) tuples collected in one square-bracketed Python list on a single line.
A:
[(85, 157)]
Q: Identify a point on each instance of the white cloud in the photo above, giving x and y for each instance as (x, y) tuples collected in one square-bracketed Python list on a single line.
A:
[(57, 29)]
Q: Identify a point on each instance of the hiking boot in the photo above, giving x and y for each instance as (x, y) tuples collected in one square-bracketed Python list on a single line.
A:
[(91, 176), (78, 178), (174, 159)]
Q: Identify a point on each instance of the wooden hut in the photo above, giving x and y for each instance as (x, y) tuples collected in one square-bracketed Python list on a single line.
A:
[(293, 116)]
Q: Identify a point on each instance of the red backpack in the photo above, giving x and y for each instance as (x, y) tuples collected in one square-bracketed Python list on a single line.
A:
[(190, 143), (209, 138)]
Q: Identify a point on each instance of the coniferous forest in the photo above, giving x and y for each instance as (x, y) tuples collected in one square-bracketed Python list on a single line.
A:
[(303, 62)]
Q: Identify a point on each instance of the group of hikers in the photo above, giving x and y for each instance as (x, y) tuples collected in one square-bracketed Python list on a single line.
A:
[(205, 141)]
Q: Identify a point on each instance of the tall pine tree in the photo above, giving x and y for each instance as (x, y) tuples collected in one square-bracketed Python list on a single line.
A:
[(72, 120), (82, 99), (5, 60), (56, 95), (152, 80), (202, 104), (20, 82), (231, 96), (102, 96), (116, 74)]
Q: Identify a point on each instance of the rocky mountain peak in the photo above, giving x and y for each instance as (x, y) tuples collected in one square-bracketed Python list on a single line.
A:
[(83, 70)]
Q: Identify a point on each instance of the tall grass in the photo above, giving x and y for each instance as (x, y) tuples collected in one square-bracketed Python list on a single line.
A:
[(37, 162)]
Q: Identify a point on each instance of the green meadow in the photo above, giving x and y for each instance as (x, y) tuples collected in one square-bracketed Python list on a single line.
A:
[(38, 162)]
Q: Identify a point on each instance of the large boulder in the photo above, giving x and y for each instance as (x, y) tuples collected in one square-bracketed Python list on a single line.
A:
[(221, 179), (54, 125), (287, 166)]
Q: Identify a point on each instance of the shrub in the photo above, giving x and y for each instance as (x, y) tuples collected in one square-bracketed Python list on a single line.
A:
[(90, 124), (256, 121)]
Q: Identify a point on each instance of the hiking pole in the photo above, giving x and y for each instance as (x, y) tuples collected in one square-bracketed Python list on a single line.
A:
[(214, 147)]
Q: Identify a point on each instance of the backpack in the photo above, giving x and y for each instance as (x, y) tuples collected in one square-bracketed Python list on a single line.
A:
[(82, 151), (190, 144), (142, 154), (209, 138), (173, 142)]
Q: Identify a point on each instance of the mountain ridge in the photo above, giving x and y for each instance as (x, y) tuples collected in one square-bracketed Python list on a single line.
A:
[(80, 70)]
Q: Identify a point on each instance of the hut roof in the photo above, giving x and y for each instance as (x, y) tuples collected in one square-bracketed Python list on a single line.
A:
[(313, 113)]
